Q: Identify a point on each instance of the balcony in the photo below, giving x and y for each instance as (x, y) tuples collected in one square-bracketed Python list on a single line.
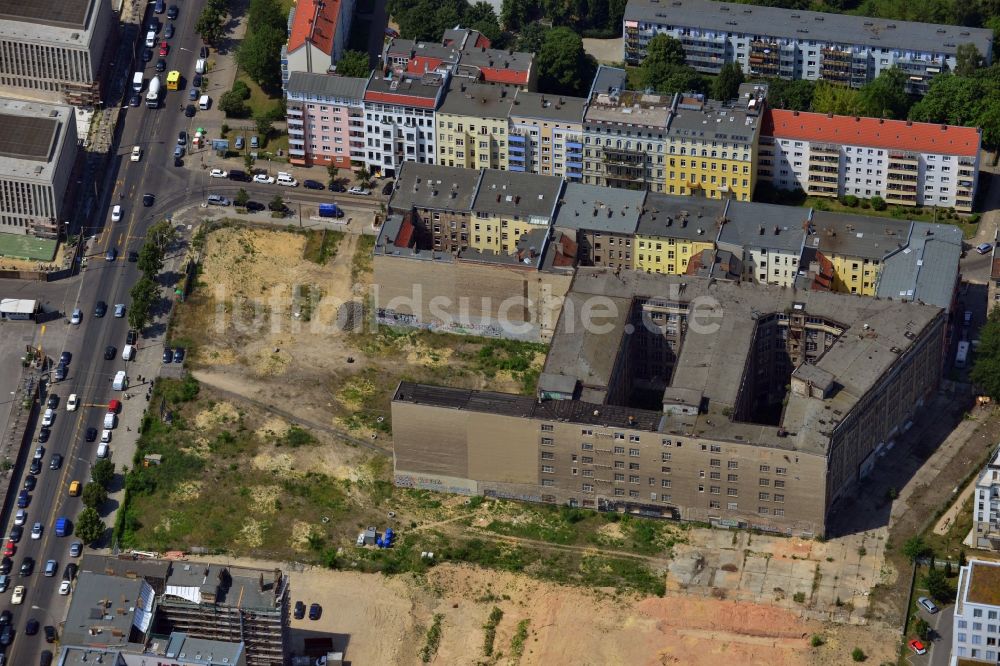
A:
[(905, 158), (515, 149), (574, 165), (293, 112), (574, 145), (902, 177), (905, 198), (904, 169), (515, 138)]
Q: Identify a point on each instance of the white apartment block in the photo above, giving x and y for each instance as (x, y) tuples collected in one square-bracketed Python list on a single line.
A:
[(399, 119), (795, 44), (53, 50), (986, 507), (37, 154), (766, 239), (903, 162), (977, 614)]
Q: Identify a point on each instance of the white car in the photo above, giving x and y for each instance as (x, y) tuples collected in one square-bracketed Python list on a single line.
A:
[(136, 153), (21, 517), (105, 436), (116, 213), (17, 596), (219, 173), (76, 317), (263, 178), (64, 587), (72, 403), (48, 418), (36, 531), (357, 189)]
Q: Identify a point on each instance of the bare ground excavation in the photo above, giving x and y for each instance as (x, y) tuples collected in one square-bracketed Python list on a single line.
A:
[(279, 451)]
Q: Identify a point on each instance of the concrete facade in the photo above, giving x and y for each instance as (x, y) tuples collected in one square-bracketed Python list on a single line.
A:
[(986, 507), (326, 119), (546, 135), (399, 119), (977, 614)]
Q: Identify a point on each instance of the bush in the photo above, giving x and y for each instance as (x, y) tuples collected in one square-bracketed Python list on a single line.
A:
[(799, 597), (878, 203), (849, 200), (857, 654), (816, 640)]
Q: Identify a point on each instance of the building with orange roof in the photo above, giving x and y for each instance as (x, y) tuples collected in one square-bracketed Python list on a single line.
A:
[(317, 35), (903, 162)]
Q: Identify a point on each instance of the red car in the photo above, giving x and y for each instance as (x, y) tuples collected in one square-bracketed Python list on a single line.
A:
[(9, 548), (114, 406), (918, 647), (164, 48)]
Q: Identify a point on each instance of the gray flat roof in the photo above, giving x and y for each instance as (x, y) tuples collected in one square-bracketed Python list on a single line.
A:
[(926, 269), (243, 589), (201, 650), (432, 185), (515, 61), (753, 225), (425, 86), (805, 25), (595, 208), (27, 137), (480, 100), (325, 85), (607, 79), (857, 235), (409, 48), (630, 106), (32, 135), (692, 218), (125, 568), (715, 121), (97, 598), (558, 108), (522, 194), (60, 13)]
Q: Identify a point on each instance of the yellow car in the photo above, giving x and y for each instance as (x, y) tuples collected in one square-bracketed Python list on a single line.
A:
[(74, 489), (17, 596)]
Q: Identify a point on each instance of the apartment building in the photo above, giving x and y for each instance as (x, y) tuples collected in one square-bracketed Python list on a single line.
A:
[(466, 54), (437, 202), (977, 614), (317, 36), (693, 400), (767, 238), (472, 125), (399, 119), (38, 144), (326, 119), (674, 230), (545, 135), (602, 220), (53, 50), (903, 162), (796, 44), (986, 506), (509, 205)]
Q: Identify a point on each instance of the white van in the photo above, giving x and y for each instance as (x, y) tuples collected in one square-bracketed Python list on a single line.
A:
[(110, 420), (199, 66), (102, 450), (128, 352), (286, 180), (204, 102), (137, 81), (121, 381), (151, 39)]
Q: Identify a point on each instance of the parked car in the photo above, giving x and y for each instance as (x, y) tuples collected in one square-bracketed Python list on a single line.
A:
[(30, 481), (65, 358), (182, 138), (6, 564), (203, 53), (218, 173), (64, 587), (76, 317), (189, 111), (918, 647), (254, 142), (300, 610), (147, 55), (16, 532), (131, 336), (70, 572), (36, 531), (928, 605), (315, 610), (148, 199), (135, 100), (196, 81), (168, 32), (255, 207), (43, 435), (17, 597), (52, 401), (312, 185), (337, 186), (36, 468), (357, 189), (90, 435), (239, 142), (263, 179), (193, 94), (984, 248), (218, 200), (23, 498), (172, 12), (109, 353), (161, 65), (50, 633), (241, 176), (72, 403), (48, 417), (27, 566), (168, 355), (179, 355)]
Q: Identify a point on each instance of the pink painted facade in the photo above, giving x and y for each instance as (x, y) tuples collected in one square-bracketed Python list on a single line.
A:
[(325, 120)]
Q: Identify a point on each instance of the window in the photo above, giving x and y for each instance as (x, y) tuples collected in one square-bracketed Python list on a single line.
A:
[(734, 464), (588, 472), (665, 470), (633, 466), (713, 504), (548, 482), (547, 441), (732, 492), (701, 487), (779, 512), (619, 450), (781, 470), (587, 487), (587, 432), (715, 462), (665, 456), (764, 482), (634, 453), (665, 483), (765, 468), (587, 447), (763, 510), (546, 427), (548, 455), (733, 506), (633, 438), (715, 490), (619, 464), (619, 477), (733, 478), (619, 492), (764, 497), (778, 483), (715, 476), (632, 478), (779, 498)]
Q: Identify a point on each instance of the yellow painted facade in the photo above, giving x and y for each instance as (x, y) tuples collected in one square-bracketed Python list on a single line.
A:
[(670, 256), (853, 275), (715, 172), (497, 233), (471, 142)]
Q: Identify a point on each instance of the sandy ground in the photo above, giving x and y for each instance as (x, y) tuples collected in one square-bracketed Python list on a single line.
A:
[(606, 51), (383, 620)]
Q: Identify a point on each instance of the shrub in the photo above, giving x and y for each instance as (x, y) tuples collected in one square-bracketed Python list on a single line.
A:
[(816, 640), (799, 597), (849, 200), (878, 203), (857, 654)]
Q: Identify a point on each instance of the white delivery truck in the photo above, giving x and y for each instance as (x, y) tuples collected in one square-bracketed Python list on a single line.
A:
[(204, 102), (120, 382), (153, 95), (151, 39), (962, 355), (137, 81)]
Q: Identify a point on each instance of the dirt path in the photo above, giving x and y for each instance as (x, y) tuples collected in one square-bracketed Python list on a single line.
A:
[(944, 524)]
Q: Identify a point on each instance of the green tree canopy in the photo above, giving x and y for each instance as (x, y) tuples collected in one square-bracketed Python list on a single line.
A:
[(838, 100), (103, 472), (563, 66), (967, 60), (915, 548), (482, 17), (886, 96), (354, 63), (727, 83), (986, 368), (242, 197), (938, 586), (792, 95), (231, 103), (264, 124), (89, 526), (517, 14), (210, 24), (260, 55), (663, 68), (531, 38), (94, 495), (150, 259)]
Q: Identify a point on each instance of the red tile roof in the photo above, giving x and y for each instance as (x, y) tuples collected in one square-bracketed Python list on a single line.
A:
[(421, 64), (871, 132), (401, 99), (315, 21), (505, 76)]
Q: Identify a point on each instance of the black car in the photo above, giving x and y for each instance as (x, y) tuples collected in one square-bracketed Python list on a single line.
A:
[(189, 111), (178, 162), (53, 401), (109, 353), (56, 461), (100, 309), (131, 336), (276, 207), (16, 532), (161, 65), (36, 468), (196, 81), (182, 138), (179, 355), (242, 176), (23, 498), (387, 189), (43, 435), (50, 633), (154, 24), (135, 99), (70, 571), (111, 254), (168, 354), (172, 12), (6, 564), (254, 206), (45, 659), (169, 32), (31, 628), (300, 610), (147, 55), (204, 52), (90, 435), (315, 610), (133, 256), (30, 482), (65, 358), (27, 566), (336, 186), (6, 635), (148, 199), (312, 185), (6, 616)]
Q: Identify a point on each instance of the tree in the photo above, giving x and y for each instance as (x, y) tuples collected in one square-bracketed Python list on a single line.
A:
[(150, 259), (839, 100), (89, 526), (263, 13), (886, 96), (531, 38), (259, 56), (364, 177), (662, 51), (915, 548), (103, 473), (354, 63), (563, 66), (792, 95), (961, 558), (94, 495), (938, 587), (248, 160), (231, 103), (482, 17), (242, 198), (857, 654), (210, 24), (143, 295), (517, 14), (967, 59), (727, 84), (923, 629), (878, 203), (664, 71), (161, 234), (986, 368), (277, 203), (264, 124)]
